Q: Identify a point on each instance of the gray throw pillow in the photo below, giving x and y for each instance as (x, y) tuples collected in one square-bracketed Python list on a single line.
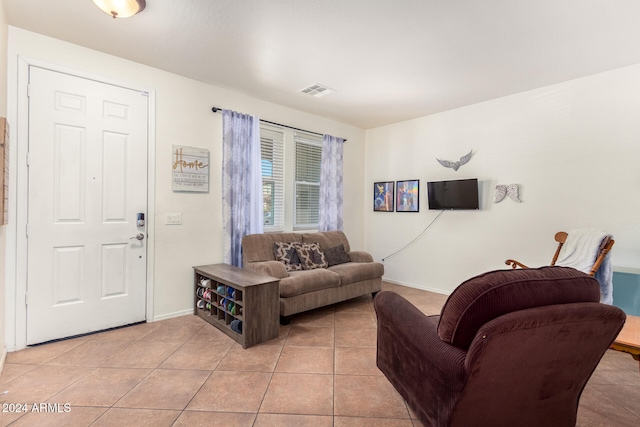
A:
[(336, 255)]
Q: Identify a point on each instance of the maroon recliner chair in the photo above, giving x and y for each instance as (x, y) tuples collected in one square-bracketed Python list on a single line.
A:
[(510, 348)]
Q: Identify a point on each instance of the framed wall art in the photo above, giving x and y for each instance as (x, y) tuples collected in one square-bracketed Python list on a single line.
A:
[(383, 196), (408, 196), (190, 169)]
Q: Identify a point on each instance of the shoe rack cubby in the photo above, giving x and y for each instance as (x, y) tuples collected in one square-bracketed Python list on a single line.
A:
[(242, 304)]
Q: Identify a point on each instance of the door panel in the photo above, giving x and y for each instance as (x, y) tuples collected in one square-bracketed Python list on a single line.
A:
[(67, 271), (87, 183), (69, 190)]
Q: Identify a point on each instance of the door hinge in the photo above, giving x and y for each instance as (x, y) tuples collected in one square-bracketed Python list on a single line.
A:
[(26, 299), (27, 158), (26, 230), (28, 91)]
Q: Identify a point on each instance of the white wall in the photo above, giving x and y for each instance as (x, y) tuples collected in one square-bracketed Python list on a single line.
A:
[(183, 116), (573, 148), (3, 229)]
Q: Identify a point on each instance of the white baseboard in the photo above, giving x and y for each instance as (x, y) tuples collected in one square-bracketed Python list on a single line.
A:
[(414, 286), (172, 315), (3, 359)]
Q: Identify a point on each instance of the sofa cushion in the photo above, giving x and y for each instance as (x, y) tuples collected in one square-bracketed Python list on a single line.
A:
[(311, 256), (493, 294), (352, 272), (327, 239), (259, 247), (287, 253), (336, 255), (301, 282)]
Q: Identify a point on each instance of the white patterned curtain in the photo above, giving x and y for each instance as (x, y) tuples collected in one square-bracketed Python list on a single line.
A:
[(331, 193), (241, 182)]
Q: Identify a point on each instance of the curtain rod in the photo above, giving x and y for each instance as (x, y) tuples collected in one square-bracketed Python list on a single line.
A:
[(216, 109)]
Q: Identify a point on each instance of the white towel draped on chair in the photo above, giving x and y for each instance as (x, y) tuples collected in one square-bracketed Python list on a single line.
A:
[(580, 252)]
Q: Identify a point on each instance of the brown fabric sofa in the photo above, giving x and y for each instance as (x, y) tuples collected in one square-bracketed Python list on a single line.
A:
[(510, 348), (308, 289)]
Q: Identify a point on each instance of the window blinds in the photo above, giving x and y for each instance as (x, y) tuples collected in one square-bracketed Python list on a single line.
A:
[(308, 152), (272, 155)]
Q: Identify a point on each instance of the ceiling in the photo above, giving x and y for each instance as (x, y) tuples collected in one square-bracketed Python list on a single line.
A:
[(388, 60)]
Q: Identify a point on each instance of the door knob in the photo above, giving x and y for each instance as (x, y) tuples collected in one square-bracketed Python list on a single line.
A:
[(138, 236)]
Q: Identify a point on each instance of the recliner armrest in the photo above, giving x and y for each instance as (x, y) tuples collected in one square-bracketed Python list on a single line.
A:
[(270, 268), (423, 368)]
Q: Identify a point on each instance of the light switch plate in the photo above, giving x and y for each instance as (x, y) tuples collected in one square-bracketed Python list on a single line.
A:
[(173, 218)]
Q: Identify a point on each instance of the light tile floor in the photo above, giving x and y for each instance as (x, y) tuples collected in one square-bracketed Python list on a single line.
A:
[(183, 372)]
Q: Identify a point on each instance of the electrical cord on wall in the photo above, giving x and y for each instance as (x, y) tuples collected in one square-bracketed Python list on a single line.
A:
[(416, 238)]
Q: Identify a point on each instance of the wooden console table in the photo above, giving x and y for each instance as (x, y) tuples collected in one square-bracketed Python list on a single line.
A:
[(628, 339), (225, 295)]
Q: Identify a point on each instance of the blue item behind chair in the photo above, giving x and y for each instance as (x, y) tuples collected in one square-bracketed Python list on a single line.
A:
[(626, 292)]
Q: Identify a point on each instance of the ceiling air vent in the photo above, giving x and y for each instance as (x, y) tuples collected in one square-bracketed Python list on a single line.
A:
[(317, 90)]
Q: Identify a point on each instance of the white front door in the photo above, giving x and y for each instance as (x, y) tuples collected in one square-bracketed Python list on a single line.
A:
[(87, 183)]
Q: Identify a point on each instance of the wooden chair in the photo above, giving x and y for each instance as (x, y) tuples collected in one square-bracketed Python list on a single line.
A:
[(561, 237)]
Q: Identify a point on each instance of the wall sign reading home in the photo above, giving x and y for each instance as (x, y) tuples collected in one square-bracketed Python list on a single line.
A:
[(190, 169)]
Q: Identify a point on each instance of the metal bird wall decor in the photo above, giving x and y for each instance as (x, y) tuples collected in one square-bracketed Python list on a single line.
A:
[(455, 165)]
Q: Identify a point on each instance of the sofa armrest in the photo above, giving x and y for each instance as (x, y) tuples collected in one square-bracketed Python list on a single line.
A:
[(270, 268), (429, 373), (360, 256)]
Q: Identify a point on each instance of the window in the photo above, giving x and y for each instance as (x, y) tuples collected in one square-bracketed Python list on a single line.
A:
[(272, 156), (307, 180), (291, 162)]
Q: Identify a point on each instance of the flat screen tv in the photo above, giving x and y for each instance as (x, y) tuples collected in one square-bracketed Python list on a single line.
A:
[(458, 194)]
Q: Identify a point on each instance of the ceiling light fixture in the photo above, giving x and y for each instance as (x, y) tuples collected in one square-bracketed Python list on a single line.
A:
[(121, 8)]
